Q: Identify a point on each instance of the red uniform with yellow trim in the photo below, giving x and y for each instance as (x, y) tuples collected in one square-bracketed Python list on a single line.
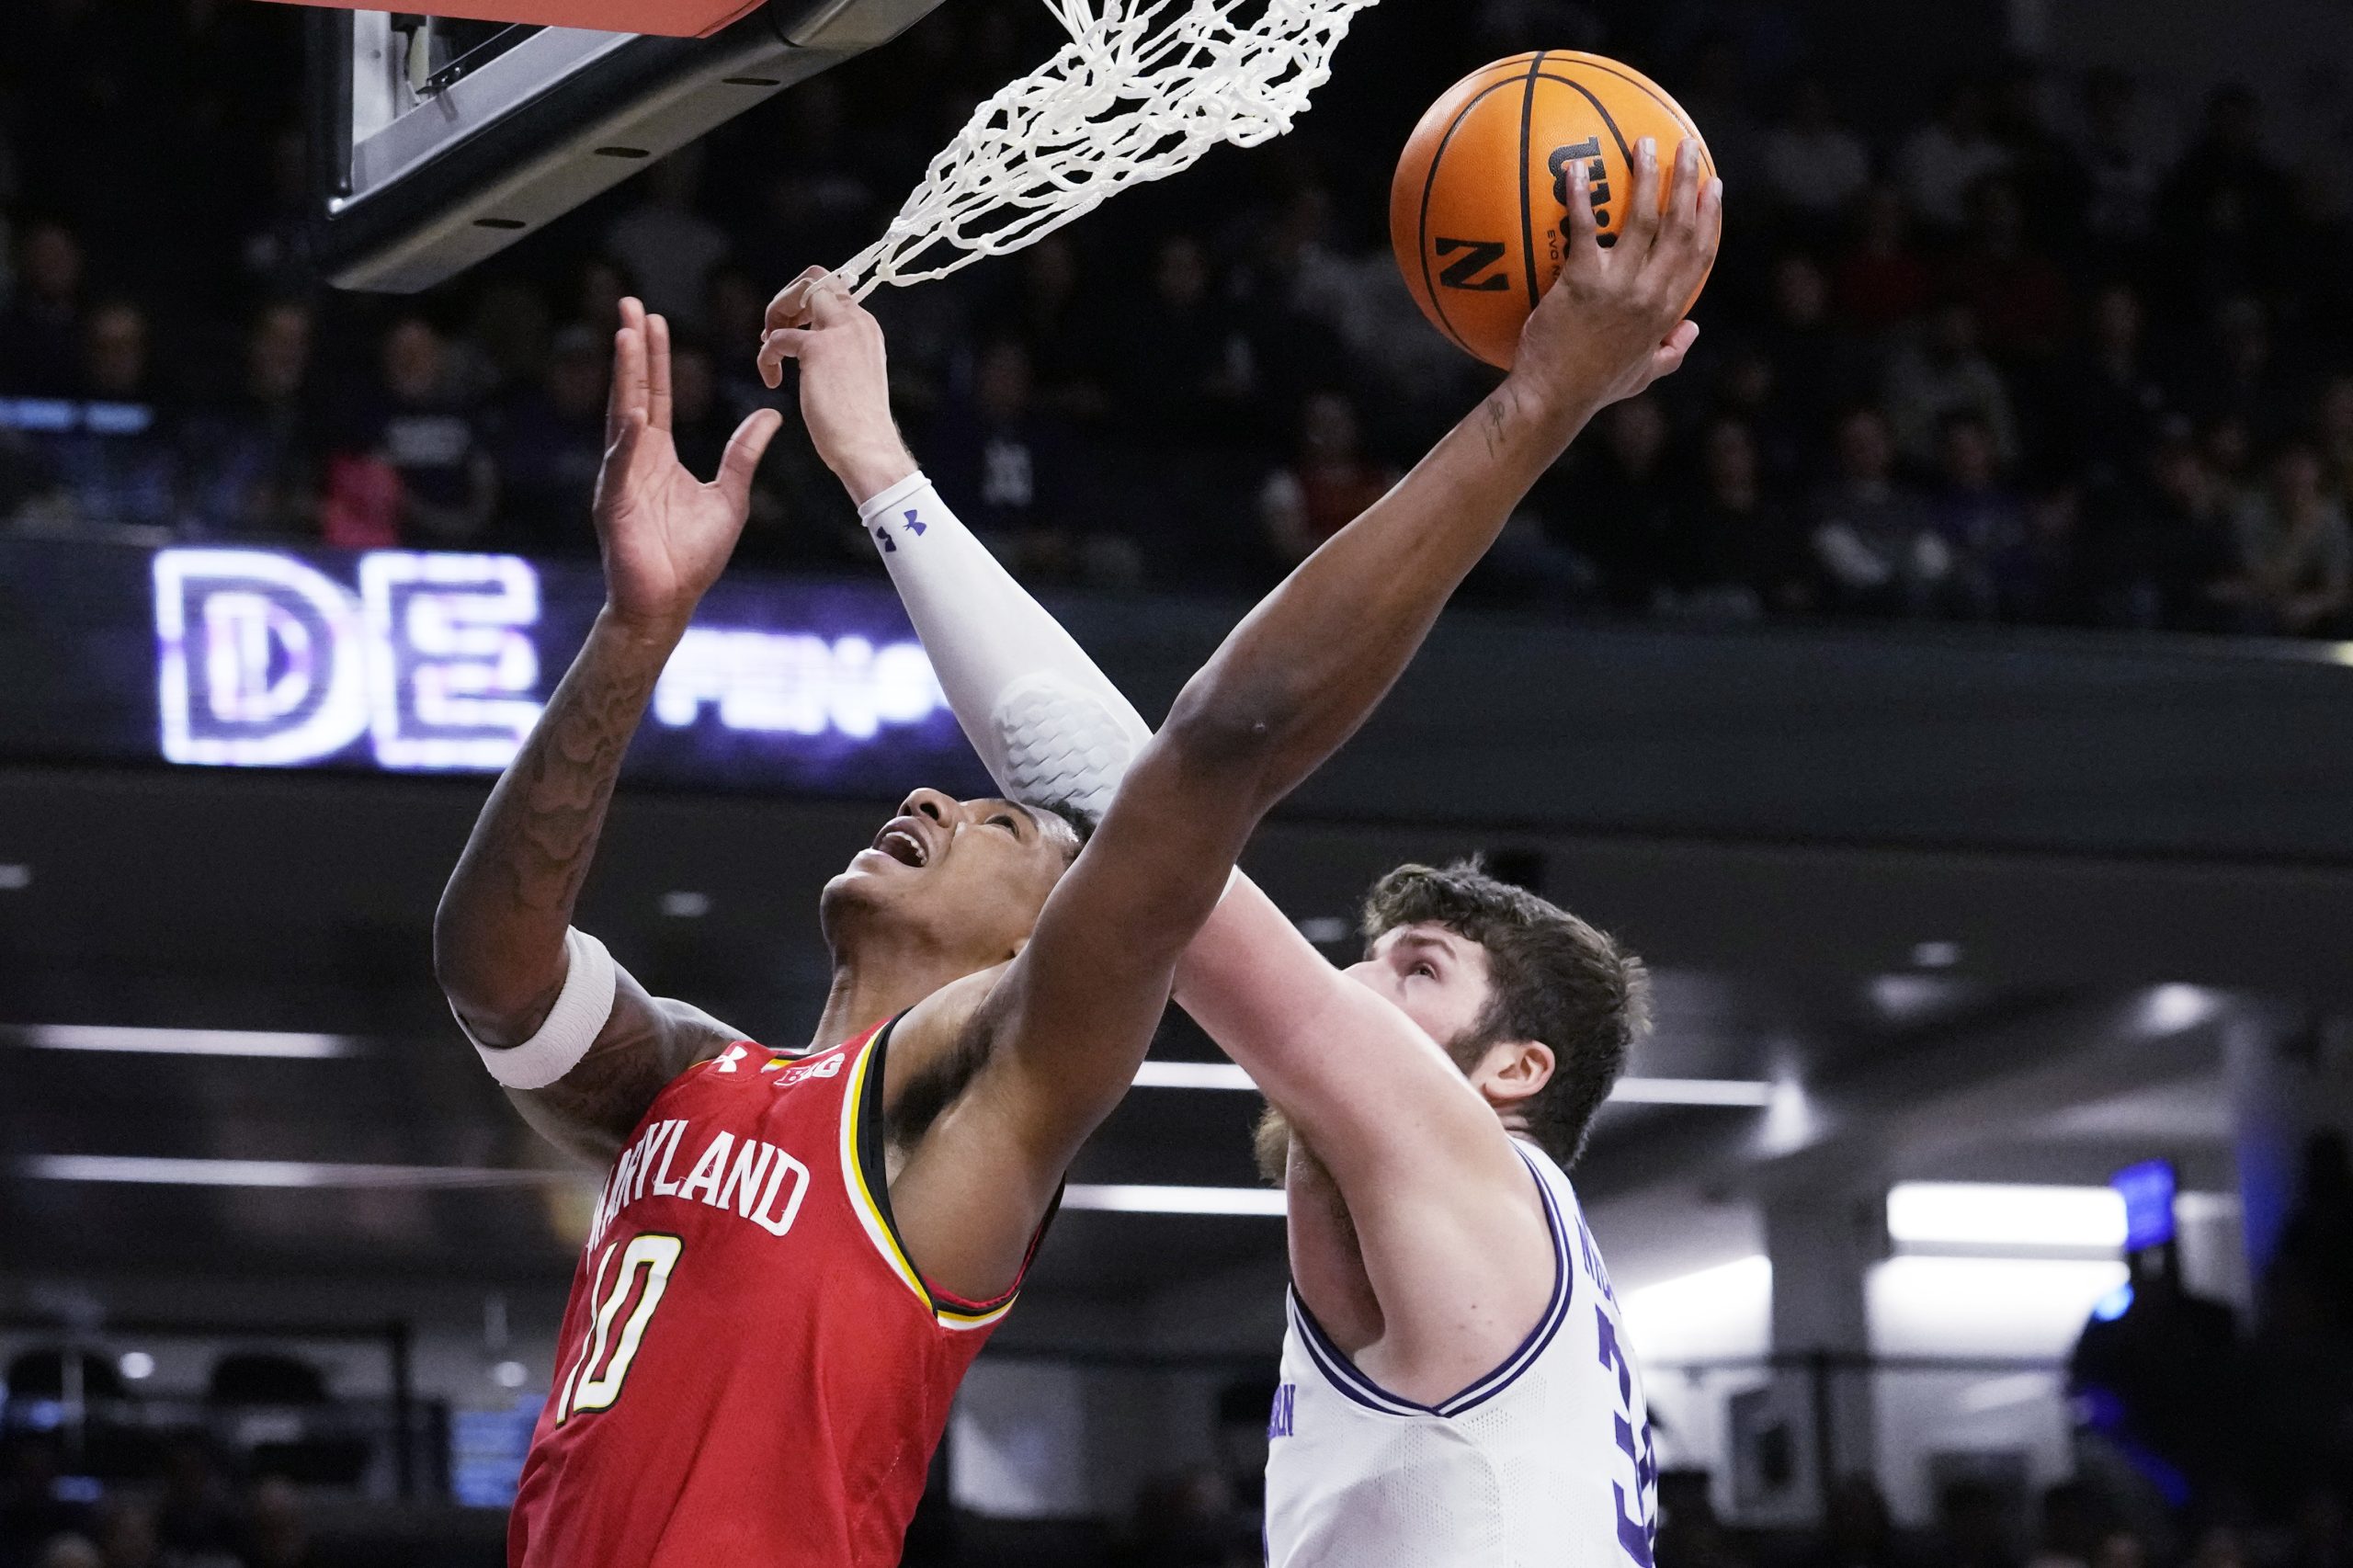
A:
[(750, 1371)]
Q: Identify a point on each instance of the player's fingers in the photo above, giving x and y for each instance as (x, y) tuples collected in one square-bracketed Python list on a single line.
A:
[(1640, 230), (657, 372), (1681, 219), (1584, 233), (627, 395), (745, 449), (622, 452), (829, 301), (785, 343), (791, 302)]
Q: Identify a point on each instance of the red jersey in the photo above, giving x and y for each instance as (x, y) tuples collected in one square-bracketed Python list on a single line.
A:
[(751, 1372)]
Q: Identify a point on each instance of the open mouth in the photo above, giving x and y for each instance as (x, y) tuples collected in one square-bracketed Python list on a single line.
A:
[(902, 845)]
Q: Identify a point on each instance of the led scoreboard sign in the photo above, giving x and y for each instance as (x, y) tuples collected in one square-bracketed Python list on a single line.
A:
[(413, 662)]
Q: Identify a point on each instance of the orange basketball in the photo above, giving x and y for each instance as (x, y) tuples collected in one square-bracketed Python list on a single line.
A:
[(1479, 210)]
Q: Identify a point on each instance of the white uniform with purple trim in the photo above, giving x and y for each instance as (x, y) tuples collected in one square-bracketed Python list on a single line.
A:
[(1547, 1460)]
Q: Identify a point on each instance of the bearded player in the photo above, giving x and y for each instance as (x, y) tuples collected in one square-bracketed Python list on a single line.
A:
[(1456, 1390)]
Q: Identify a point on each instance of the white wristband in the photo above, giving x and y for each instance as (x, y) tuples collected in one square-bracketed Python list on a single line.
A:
[(573, 1024)]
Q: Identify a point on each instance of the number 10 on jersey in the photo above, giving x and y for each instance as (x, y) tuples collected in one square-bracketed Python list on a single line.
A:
[(604, 1361)]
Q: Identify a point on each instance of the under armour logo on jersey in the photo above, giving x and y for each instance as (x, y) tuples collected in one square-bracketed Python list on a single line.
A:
[(915, 525), (733, 1054)]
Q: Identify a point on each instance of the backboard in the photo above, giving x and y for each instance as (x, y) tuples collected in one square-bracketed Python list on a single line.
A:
[(442, 141)]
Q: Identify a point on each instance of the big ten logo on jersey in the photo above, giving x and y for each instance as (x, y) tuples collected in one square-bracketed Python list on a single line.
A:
[(753, 1181), (1589, 152), (789, 1070), (1286, 1403)]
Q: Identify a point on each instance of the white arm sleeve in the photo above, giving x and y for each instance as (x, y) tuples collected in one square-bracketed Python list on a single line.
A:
[(573, 1024), (1051, 727)]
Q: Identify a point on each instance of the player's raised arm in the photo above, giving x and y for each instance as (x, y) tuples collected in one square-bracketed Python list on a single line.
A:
[(577, 1042), (1064, 1031)]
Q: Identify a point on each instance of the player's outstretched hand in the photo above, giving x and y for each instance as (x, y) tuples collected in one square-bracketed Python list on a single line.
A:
[(845, 381), (665, 535), (1614, 323)]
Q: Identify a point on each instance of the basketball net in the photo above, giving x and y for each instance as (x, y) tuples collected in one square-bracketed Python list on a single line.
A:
[(1143, 89)]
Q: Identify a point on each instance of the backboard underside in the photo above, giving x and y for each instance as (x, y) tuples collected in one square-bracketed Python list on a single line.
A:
[(438, 147)]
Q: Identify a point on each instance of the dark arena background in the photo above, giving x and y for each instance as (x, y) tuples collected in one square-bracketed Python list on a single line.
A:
[(1941, 681)]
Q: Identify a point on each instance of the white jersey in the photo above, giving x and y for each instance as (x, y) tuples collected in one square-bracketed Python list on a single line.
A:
[(1545, 1460)]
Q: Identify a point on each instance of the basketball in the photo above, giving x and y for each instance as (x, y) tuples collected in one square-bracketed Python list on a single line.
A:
[(1478, 211)]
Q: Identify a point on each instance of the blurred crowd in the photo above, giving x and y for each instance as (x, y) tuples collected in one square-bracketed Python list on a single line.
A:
[(192, 1517), (2025, 359)]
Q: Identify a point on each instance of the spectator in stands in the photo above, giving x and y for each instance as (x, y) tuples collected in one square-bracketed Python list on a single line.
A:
[(433, 444), (506, 342), (550, 444), (1882, 281), (2047, 176), (112, 463), (1615, 508), (1942, 374), (70, 1551), (1064, 333), (1745, 387), (2155, 546), (252, 464), (2239, 373), (1011, 467), (2111, 402), (42, 329), (1737, 548), (2295, 552), (1873, 543), (1814, 164), (2122, 172), (1981, 522), (736, 308), (1818, 366), (1714, 90), (1327, 482), (2222, 205), (666, 245), (1941, 161), (1184, 370), (2018, 294)]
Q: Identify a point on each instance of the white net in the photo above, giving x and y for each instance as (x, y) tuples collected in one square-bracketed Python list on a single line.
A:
[(1143, 89)]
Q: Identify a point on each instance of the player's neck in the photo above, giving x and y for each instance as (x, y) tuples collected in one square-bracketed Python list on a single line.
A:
[(877, 981)]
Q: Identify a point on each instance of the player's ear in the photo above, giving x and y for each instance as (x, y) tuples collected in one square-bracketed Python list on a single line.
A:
[(1516, 1070)]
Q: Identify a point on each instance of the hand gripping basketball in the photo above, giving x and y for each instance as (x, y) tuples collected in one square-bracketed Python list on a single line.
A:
[(1479, 212), (1615, 318)]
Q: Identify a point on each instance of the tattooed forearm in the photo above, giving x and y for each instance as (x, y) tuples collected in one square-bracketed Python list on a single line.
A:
[(498, 939)]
